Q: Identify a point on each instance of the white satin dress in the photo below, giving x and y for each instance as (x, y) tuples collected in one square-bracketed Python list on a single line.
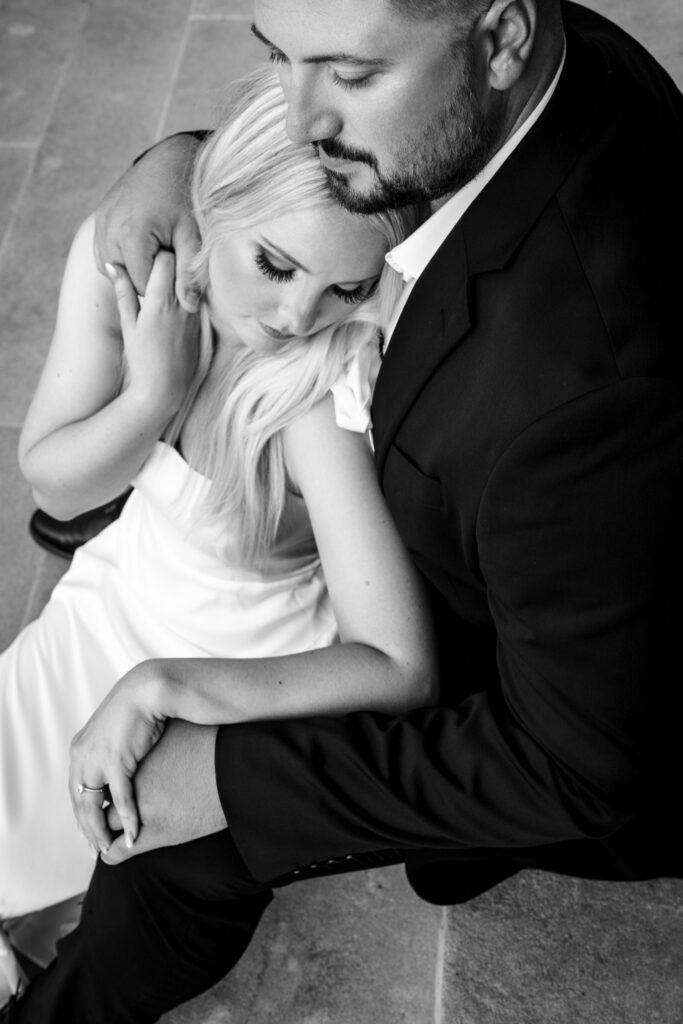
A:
[(152, 584)]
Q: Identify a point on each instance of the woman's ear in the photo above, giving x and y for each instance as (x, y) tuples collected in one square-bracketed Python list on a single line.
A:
[(508, 29)]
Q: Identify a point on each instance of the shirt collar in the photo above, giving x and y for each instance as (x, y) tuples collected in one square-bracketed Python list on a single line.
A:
[(411, 256)]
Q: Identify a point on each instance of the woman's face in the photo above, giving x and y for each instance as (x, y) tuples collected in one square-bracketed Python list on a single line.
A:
[(292, 276)]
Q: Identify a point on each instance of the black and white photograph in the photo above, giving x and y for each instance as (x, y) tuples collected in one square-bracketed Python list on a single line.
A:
[(341, 535)]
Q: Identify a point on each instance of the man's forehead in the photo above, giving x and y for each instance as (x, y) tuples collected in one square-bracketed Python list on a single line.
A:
[(321, 56), (318, 28), (332, 11)]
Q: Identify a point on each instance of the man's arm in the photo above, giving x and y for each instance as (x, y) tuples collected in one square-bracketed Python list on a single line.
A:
[(581, 544), (176, 792), (577, 738), (148, 209)]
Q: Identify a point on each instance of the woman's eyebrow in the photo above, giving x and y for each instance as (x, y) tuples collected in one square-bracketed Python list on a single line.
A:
[(339, 57)]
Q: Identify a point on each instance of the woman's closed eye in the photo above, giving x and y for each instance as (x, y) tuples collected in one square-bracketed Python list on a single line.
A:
[(277, 56), (272, 272), (282, 275), (358, 294)]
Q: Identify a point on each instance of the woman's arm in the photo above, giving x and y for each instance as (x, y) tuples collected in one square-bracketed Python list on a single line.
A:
[(87, 432), (385, 662)]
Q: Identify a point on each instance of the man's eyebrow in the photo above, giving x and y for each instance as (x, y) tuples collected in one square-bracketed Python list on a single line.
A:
[(333, 58), (283, 255)]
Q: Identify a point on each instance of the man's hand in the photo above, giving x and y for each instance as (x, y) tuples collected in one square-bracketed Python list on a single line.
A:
[(176, 792), (149, 209), (161, 340)]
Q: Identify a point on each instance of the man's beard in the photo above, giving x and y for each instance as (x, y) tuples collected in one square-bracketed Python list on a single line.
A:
[(451, 151)]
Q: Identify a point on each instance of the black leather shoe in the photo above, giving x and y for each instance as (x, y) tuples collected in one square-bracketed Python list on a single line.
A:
[(62, 538)]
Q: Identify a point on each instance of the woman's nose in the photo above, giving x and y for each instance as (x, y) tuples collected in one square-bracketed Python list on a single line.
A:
[(299, 315)]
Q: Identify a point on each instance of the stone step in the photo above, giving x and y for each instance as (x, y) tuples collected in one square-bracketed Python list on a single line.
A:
[(352, 949), (545, 949), (537, 949)]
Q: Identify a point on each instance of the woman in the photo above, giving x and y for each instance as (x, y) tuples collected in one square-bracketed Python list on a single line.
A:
[(245, 491)]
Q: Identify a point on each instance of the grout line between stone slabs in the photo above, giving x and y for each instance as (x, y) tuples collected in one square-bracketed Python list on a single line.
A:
[(220, 17), (439, 968), (18, 201), (28, 175), (175, 75)]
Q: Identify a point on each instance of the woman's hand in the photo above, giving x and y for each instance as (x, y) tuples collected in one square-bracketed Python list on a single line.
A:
[(147, 209), (161, 340), (176, 790), (106, 752)]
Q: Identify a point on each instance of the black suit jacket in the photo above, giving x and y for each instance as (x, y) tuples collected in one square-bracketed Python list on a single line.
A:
[(528, 422)]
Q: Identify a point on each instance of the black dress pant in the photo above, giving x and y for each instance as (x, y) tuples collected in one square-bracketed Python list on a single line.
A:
[(158, 930)]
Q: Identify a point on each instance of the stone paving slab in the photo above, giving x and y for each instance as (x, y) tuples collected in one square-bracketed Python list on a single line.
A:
[(19, 557), (36, 41), (352, 949), (110, 106), (15, 166), (543, 949), (216, 52), (223, 9)]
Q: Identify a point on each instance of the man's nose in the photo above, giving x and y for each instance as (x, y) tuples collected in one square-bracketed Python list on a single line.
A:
[(310, 117)]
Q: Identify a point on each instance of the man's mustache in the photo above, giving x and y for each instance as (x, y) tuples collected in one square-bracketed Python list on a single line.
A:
[(337, 151)]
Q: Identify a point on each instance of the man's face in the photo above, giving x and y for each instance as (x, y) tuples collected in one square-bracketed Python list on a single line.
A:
[(390, 103)]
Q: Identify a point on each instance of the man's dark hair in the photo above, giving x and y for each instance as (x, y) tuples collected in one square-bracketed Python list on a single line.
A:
[(464, 11), (427, 9), (462, 14)]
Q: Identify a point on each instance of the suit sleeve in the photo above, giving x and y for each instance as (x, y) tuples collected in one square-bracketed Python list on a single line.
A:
[(579, 538)]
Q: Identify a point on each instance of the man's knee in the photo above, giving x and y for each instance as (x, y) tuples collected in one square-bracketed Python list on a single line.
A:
[(207, 869)]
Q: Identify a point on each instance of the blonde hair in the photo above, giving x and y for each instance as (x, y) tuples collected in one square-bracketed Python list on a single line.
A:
[(248, 171)]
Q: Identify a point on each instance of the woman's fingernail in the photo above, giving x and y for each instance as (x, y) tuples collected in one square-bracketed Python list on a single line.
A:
[(111, 270), (103, 848), (129, 840)]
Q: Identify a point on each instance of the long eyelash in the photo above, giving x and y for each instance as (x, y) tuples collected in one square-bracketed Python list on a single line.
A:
[(278, 57), (359, 294), (271, 272), (350, 83)]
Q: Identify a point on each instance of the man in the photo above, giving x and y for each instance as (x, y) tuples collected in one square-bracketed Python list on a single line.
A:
[(528, 421)]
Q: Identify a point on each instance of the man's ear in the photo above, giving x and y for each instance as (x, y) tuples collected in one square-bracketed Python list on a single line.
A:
[(508, 29)]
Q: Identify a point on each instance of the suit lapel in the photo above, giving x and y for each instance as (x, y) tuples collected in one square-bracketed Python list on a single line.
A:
[(437, 315)]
